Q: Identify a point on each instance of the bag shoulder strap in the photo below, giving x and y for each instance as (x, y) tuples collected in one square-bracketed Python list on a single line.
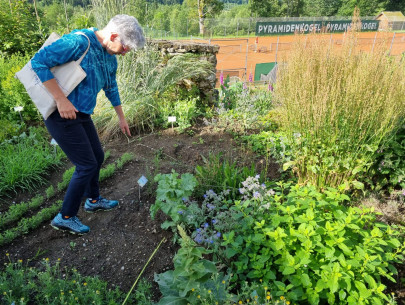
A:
[(88, 47)]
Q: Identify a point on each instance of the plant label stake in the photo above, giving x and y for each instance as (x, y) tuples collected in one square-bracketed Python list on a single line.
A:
[(54, 144), (171, 119), (19, 109), (141, 183)]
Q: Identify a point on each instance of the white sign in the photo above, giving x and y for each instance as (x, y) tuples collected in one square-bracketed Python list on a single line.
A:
[(172, 119), (142, 181), (18, 109), (53, 142)]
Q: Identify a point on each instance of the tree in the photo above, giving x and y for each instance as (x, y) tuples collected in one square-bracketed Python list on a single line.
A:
[(19, 29), (204, 9), (277, 8), (366, 7), (317, 8)]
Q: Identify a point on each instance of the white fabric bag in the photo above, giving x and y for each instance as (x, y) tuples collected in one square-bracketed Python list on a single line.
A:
[(68, 76)]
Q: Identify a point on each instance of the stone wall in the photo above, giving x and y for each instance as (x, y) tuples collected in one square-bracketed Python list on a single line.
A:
[(206, 52)]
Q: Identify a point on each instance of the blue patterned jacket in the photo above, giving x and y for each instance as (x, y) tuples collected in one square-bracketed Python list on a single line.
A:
[(99, 66)]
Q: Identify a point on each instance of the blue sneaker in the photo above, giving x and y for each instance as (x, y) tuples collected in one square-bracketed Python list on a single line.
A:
[(72, 224), (100, 204)]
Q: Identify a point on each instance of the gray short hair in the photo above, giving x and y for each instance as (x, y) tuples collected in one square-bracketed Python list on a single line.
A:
[(129, 30)]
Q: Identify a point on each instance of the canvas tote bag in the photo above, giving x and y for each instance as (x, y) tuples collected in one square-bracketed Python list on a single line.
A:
[(68, 76)]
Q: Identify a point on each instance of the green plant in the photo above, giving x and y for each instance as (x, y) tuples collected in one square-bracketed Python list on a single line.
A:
[(27, 224), (143, 80), (194, 279), (51, 284), (220, 175), (50, 192), (125, 158), (309, 247), (171, 194), (342, 114), (16, 211), (388, 170), (25, 160), (67, 175)]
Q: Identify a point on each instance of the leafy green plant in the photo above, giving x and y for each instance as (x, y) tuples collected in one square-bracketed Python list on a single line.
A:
[(50, 283), (388, 170), (194, 279), (171, 194), (309, 247), (220, 175), (12, 91), (124, 159)]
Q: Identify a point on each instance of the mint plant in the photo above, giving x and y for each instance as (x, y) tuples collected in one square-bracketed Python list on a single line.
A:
[(309, 247)]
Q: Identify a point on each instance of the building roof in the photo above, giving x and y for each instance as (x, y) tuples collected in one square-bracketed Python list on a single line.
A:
[(392, 16)]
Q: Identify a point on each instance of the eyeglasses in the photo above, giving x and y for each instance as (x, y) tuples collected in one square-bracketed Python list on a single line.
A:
[(125, 49)]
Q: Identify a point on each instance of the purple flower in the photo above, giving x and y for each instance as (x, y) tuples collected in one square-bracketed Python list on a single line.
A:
[(218, 234), (241, 190), (214, 221), (244, 86), (263, 185), (210, 206), (198, 230), (270, 88), (206, 225), (221, 78), (180, 212), (403, 193), (256, 194), (184, 199), (250, 77), (205, 195)]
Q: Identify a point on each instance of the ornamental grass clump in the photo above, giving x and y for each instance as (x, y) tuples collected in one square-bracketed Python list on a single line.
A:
[(340, 104)]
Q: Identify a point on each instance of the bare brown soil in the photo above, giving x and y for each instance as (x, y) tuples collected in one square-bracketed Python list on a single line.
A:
[(121, 241)]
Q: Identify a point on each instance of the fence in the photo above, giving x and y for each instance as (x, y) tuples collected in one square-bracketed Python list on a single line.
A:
[(235, 27)]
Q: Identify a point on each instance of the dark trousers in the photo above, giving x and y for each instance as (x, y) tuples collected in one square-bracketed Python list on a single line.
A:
[(79, 141)]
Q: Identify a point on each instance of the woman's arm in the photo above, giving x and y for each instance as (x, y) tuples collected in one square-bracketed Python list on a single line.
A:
[(65, 107)]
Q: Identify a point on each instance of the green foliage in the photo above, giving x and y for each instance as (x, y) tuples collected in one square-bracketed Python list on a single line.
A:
[(50, 192), (220, 175), (142, 81), (125, 158), (308, 246), (9, 129), (67, 175), (25, 160), (27, 224), (185, 111), (16, 211), (19, 29), (194, 279), (51, 284), (12, 91), (388, 170), (171, 194), (340, 123), (241, 109)]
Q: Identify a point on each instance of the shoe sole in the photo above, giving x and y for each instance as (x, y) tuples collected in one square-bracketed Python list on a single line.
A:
[(67, 230), (100, 209)]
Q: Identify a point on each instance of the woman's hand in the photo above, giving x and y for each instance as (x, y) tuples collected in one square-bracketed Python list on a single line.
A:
[(66, 109), (123, 122)]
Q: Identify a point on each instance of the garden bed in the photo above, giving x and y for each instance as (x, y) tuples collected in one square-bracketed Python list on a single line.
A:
[(121, 241)]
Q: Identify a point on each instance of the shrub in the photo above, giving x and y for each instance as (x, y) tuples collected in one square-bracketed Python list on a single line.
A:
[(344, 103), (388, 170), (310, 247), (12, 91)]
